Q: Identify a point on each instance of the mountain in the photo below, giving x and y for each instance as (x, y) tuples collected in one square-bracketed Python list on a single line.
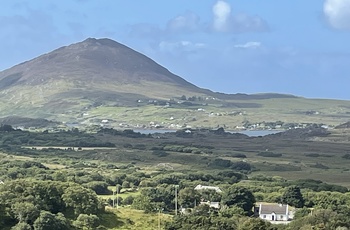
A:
[(101, 79), (95, 70)]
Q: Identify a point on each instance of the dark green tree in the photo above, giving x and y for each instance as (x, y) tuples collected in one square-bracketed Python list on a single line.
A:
[(210, 195), (293, 197), (81, 200), (101, 188), (86, 222), (240, 197), (188, 197), (143, 202), (47, 220)]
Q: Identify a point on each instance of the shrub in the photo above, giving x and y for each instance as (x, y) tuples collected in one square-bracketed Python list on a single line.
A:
[(160, 153), (241, 166), (239, 155)]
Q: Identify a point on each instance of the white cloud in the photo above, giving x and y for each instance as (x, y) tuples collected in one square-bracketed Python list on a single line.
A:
[(188, 22), (248, 45), (337, 13), (225, 21), (222, 14)]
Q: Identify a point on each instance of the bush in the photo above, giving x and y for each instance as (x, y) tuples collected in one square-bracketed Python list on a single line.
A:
[(160, 153), (220, 163), (128, 200), (241, 166), (319, 166), (239, 155)]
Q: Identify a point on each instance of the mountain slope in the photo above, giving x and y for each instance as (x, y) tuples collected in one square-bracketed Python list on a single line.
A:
[(95, 70)]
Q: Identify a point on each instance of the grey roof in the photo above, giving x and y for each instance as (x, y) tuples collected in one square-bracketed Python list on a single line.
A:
[(276, 208)]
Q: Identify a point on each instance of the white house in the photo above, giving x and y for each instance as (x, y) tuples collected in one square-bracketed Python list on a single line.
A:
[(274, 212), (201, 187)]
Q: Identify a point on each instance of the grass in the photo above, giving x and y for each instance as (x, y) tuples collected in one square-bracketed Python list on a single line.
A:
[(126, 218), (131, 219)]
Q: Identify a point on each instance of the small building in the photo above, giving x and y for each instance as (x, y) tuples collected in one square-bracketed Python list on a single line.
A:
[(201, 187), (215, 205), (274, 212)]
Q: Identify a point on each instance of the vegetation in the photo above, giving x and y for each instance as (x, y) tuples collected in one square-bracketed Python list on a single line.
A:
[(150, 178)]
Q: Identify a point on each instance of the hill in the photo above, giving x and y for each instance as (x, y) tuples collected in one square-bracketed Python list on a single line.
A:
[(102, 80)]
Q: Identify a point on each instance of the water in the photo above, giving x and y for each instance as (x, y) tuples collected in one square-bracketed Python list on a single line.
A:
[(250, 133), (256, 133)]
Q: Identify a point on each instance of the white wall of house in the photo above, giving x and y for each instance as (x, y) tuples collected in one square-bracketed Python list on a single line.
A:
[(274, 217)]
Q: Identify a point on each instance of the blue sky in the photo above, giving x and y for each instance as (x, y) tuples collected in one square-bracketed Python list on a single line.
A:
[(299, 47)]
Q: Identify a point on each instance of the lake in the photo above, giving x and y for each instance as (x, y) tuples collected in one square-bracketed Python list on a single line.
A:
[(250, 133)]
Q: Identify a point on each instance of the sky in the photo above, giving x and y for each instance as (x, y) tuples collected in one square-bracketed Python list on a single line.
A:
[(299, 47)]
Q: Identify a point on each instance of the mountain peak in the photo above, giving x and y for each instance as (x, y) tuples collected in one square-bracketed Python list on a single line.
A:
[(99, 41)]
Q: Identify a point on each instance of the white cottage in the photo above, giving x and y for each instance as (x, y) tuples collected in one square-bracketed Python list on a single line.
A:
[(274, 212)]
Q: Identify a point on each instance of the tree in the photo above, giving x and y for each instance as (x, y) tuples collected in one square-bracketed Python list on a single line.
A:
[(232, 211), (255, 223), (293, 197), (47, 220), (101, 188), (188, 197), (301, 212), (86, 222), (142, 202), (210, 195), (25, 212), (21, 226), (118, 188), (126, 184), (128, 200), (81, 200), (159, 197), (321, 219), (238, 196)]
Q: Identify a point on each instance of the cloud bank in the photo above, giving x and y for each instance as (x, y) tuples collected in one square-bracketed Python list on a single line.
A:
[(337, 13)]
